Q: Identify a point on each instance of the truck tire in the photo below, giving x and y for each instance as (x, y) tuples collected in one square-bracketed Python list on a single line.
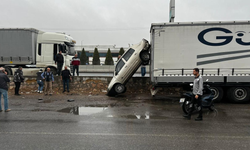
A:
[(119, 88), (144, 55), (218, 94), (8, 70), (239, 94)]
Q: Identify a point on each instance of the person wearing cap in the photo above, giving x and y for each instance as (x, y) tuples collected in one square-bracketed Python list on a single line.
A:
[(4, 89), (39, 80), (18, 78)]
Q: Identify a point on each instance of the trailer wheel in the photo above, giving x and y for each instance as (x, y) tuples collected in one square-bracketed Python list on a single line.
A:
[(144, 55), (239, 94), (8, 70), (119, 88), (218, 93)]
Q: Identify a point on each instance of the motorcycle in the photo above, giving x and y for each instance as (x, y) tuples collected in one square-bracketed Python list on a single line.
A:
[(207, 100)]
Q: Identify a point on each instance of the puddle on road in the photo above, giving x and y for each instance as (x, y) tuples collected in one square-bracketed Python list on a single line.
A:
[(87, 111), (83, 111), (146, 117)]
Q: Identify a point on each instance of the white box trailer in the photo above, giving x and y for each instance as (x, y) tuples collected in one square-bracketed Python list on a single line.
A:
[(18, 46), (33, 49), (221, 50)]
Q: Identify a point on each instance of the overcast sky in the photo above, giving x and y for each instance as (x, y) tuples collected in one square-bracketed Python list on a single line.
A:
[(109, 22)]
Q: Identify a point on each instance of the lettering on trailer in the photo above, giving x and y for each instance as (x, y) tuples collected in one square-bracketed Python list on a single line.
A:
[(227, 39)]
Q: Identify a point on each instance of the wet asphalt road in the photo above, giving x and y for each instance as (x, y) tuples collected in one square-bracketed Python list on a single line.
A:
[(121, 124)]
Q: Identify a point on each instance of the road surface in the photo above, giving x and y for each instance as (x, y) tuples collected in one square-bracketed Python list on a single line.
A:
[(124, 122)]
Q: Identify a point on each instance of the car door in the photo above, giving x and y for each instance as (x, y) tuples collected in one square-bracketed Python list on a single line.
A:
[(120, 71), (130, 64)]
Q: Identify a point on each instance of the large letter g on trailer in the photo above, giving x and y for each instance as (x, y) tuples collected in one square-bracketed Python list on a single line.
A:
[(227, 39)]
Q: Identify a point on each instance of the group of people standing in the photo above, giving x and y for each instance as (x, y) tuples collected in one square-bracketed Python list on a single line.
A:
[(65, 74)]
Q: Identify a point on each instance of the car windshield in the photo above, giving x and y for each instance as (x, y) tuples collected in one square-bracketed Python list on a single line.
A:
[(128, 54), (119, 66)]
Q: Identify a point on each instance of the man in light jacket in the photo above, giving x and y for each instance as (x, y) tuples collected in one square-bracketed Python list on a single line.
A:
[(197, 94)]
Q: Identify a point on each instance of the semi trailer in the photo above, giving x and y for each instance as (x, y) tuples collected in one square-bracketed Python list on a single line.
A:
[(221, 50), (33, 49)]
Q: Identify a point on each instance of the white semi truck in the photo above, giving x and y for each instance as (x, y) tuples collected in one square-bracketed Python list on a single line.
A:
[(221, 50), (33, 49)]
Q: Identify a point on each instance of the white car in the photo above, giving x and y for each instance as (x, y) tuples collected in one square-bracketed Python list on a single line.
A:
[(127, 65)]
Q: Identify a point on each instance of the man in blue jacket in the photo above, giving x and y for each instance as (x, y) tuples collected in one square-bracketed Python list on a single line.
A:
[(49, 78), (4, 89)]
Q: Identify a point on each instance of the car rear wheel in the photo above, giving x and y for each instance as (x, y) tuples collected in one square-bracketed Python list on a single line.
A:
[(144, 55), (119, 88), (111, 92)]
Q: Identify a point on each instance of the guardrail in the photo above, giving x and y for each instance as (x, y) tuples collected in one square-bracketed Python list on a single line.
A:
[(102, 69)]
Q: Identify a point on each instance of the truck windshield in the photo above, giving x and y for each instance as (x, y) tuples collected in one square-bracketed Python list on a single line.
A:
[(70, 48), (72, 51), (128, 54), (119, 66)]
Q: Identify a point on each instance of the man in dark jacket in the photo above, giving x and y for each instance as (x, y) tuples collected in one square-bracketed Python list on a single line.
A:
[(39, 80), (66, 75), (75, 62), (18, 78), (4, 89), (59, 62)]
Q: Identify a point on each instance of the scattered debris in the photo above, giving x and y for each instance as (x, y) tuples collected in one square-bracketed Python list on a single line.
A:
[(71, 100)]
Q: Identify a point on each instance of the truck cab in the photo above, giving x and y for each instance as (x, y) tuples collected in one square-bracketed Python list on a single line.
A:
[(33, 49), (48, 46)]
